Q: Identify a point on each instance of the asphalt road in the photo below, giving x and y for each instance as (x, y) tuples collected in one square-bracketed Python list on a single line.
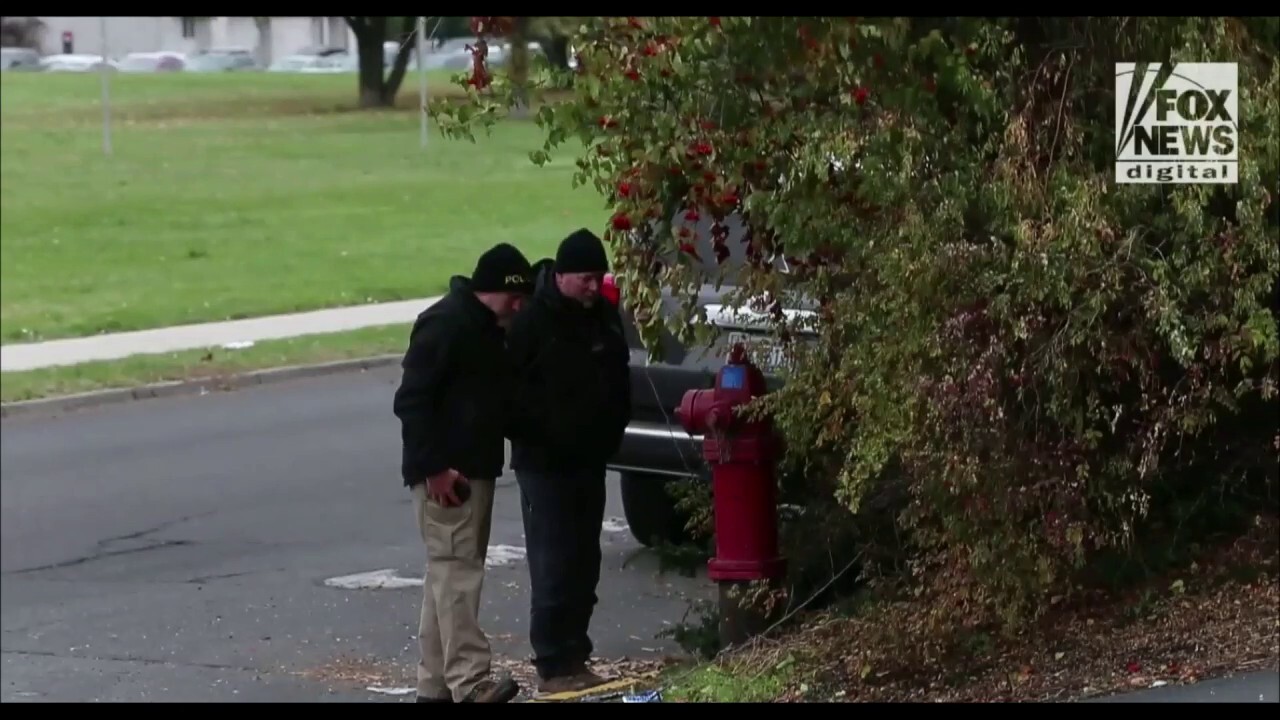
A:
[(1253, 687), (178, 550)]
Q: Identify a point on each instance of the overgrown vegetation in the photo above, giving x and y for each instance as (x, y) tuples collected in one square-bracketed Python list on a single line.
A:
[(1027, 379)]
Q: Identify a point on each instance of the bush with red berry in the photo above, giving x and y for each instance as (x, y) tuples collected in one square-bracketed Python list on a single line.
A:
[(1043, 366)]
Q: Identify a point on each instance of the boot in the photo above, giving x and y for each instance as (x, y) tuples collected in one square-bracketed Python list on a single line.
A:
[(493, 691), (577, 678)]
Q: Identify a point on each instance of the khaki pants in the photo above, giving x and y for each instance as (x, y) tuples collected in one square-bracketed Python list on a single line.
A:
[(455, 651)]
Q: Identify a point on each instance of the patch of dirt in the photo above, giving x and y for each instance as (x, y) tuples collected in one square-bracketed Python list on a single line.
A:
[(360, 672), (521, 670), (1207, 621), (364, 672)]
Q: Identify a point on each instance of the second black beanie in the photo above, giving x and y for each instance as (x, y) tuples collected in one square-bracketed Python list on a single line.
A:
[(581, 252)]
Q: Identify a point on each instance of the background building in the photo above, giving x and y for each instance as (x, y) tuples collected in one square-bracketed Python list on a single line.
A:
[(271, 38)]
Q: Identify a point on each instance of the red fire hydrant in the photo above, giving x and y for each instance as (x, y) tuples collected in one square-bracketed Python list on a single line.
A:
[(742, 454)]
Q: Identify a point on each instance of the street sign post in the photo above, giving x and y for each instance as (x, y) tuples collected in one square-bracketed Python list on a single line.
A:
[(105, 70), (422, 80)]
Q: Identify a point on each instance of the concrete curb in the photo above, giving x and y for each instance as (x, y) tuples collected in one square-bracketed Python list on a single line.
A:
[(68, 403)]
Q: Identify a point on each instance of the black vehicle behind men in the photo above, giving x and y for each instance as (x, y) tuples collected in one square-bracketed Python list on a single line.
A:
[(655, 448)]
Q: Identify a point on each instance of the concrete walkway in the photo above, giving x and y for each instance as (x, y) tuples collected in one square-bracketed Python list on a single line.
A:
[(31, 356)]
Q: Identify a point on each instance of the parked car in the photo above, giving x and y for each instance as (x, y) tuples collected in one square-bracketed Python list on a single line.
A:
[(148, 62), (220, 60), (19, 58), (315, 64), (343, 62), (319, 50), (656, 448), (70, 62), (228, 50)]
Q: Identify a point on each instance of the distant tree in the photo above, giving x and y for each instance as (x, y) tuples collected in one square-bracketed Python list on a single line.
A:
[(554, 34), (378, 88), (519, 67), (551, 32), (451, 27), (262, 51), (27, 32)]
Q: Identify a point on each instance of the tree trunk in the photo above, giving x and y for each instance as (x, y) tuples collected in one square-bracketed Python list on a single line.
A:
[(392, 86), (557, 49), (377, 89), (369, 53), (370, 33), (519, 67)]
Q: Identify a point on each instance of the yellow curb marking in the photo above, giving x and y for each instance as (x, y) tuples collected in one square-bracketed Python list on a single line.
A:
[(611, 686)]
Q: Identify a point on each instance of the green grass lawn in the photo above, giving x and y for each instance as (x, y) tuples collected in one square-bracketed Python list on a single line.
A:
[(241, 195)]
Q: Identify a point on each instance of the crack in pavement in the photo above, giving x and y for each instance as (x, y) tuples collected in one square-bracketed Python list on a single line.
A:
[(223, 576), (102, 549), (140, 661), (197, 580), (100, 555)]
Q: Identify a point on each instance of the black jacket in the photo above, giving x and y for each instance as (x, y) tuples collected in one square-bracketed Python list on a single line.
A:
[(455, 393), (574, 382)]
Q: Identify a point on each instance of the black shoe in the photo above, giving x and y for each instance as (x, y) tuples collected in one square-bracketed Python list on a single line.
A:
[(493, 691)]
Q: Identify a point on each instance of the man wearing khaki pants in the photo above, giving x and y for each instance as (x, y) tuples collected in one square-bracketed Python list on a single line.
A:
[(453, 404)]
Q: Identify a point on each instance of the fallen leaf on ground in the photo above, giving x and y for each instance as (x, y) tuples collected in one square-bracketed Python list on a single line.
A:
[(1206, 627)]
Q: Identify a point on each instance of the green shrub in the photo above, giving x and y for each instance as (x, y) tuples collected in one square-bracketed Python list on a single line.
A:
[(1019, 352)]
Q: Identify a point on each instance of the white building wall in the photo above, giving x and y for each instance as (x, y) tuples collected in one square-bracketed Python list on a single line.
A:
[(291, 34), (124, 35), (340, 34), (287, 35)]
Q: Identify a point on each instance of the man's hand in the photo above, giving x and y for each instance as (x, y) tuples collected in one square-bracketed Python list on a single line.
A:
[(443, 488)]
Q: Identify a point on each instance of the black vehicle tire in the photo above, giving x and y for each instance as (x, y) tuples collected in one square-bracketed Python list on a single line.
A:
[(651, 511)]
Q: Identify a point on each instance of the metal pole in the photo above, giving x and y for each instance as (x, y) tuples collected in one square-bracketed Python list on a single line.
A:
[(421, 37), (105, 71)]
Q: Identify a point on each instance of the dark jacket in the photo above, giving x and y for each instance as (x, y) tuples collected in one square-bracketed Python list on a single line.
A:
[(574, 384), (455, 393)]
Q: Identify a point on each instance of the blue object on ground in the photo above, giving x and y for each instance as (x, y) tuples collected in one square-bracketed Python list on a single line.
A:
[(651, 696)]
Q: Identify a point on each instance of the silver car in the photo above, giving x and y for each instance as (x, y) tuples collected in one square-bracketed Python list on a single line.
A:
[(70, 62), (222, 61), (19, 58)]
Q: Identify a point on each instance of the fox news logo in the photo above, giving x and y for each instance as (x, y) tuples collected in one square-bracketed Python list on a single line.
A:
[(1176, 124)]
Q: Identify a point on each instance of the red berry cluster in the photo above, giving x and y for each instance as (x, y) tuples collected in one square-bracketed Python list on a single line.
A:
[(485, 26), (496, 26)]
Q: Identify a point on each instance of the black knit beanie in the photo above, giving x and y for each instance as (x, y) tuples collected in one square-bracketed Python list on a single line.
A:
[(581, 252), (502, 268)]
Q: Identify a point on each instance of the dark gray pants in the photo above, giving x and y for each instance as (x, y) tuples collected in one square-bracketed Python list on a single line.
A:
[(563, 513)]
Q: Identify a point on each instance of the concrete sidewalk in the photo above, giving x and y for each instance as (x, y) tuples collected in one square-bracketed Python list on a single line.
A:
[(32, 356)]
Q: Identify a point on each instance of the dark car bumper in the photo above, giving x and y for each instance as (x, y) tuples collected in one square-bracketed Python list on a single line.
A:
[(659, 449)]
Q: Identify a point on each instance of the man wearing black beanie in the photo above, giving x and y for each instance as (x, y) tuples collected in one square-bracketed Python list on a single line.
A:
[(574, 396), (454, 405)]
